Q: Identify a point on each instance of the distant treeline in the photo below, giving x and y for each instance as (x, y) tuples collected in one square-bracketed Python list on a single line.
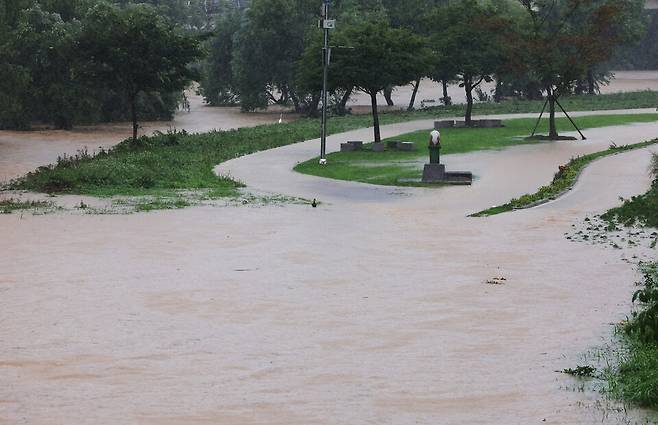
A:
[(261, 52), (642, 55)]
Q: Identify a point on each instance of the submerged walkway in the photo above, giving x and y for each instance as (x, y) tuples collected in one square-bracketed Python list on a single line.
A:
[(371, 309)]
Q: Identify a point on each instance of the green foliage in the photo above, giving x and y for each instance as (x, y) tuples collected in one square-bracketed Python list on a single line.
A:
[(217, 84), (270, 42), (138, 51), (378, 57), (642, 209), (642, 54), (563, 180), (644, 323), (57, 66), (469, 39), (586, 371), (636, 377)]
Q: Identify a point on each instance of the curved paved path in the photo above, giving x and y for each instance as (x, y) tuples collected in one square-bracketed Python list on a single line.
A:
[(271, 171), (370, 309)]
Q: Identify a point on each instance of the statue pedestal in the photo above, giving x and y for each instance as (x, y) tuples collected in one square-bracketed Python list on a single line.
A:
[(433, 173)]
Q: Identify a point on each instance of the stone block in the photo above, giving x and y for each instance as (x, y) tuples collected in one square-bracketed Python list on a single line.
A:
[(378, 147), (405, 146), (357, 144), (346, 147), (433, 173), (443, 124), (490, 123), (460, 124)]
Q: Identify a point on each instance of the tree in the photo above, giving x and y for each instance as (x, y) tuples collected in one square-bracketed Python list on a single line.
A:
[(605, 26), (266, 49), (411, 15), (39, 53), (378, 57), (468, 39), (217, 84), (564, 40), (138, 51)]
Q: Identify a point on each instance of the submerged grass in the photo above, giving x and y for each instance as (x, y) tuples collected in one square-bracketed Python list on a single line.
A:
[(567, 176), (8, 206)]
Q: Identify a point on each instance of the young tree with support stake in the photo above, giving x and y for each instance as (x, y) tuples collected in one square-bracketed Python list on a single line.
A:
[(558, 52)]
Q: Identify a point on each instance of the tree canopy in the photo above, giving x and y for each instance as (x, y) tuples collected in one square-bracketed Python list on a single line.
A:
[(377, 56)]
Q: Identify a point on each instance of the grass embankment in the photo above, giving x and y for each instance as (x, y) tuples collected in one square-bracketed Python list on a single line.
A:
[(635, 378), (392, 166), (564, 180), (642, 209), (168, 163)]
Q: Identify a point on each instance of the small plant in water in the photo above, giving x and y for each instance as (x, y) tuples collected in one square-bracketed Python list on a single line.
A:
[(586, 371)]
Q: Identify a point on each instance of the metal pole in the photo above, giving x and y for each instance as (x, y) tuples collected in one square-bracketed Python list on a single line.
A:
[(573, 123), (325, 78), (539, 119)]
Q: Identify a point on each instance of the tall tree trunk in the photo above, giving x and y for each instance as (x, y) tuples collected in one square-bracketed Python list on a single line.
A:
[(344, 100), (468, 88), (133, 114), (552, 132), (375, 117), (446, 99), (313, 107), (388, 93), (591, 84), (413, 95), (295, 102)]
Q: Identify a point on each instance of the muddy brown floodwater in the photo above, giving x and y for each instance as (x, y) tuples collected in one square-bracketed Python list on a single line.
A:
[(371, 309)]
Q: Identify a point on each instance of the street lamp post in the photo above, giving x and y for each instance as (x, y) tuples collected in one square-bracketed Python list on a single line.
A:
[(326, 24)]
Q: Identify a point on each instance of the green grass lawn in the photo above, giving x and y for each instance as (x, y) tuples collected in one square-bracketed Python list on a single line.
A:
[(391, 166)]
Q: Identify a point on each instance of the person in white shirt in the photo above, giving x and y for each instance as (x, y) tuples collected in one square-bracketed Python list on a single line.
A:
[(435, 138), (435, 147)]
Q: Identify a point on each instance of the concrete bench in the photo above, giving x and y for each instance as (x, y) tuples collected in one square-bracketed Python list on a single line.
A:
[(378, 147), (405, 146), (490, 123), (391, 144), (346, 147), (443, 124), (351, 146)]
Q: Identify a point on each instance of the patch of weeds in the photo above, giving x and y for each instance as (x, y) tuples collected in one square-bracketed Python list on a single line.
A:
[(161, 204), (8, 206), (586, 371)]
